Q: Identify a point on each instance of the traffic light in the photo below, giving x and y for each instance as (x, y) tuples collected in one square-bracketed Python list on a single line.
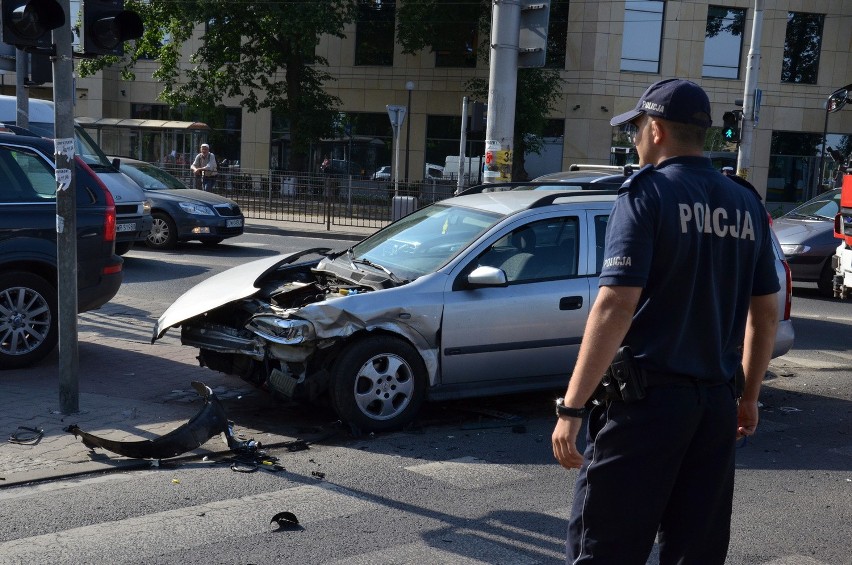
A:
[(479, 118), (731, 127), (27, 23), (107, 25)]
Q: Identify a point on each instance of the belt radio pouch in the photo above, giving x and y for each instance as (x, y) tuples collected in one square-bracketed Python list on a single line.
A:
[(623, 380)]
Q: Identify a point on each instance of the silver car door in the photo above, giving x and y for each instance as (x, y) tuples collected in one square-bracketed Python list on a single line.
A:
[(532, 326)]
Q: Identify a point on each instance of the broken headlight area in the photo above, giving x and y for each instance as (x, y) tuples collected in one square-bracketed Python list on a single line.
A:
[(285, 331)]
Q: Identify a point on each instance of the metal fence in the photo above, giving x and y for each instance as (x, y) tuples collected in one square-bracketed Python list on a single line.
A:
[(319, 198)]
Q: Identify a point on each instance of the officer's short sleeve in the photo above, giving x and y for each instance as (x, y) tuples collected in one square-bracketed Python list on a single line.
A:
[(629, 246)]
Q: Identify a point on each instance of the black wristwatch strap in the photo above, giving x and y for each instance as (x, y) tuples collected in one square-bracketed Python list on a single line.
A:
[(562, 410)]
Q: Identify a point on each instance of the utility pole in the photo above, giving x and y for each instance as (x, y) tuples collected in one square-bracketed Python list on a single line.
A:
[(502, 89), (22, 116), (66, 216), (749, 114), (462, 141)]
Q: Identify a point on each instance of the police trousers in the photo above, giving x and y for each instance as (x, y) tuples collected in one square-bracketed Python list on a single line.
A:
[(664, 464)]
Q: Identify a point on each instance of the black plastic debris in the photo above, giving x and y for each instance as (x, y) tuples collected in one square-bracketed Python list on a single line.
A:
[(210, 421), (286, 521), (318, 474), (26, 436)]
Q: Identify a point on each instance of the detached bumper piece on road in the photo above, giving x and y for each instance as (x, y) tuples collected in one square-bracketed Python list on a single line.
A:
[(210, 421)]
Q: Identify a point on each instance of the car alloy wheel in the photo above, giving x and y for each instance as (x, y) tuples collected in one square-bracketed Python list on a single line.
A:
[(163, 234), (28, 319), (378, 383)]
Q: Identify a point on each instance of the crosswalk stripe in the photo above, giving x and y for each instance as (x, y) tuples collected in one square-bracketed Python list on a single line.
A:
[(163, 532), (469, 472), (467, 548)]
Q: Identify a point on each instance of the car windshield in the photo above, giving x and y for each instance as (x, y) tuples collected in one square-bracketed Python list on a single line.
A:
[(150, 177), (824, 206), (425, 240)]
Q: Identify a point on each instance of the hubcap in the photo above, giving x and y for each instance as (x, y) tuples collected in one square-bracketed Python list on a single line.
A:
[(24, 320), (159, 233), (384, 386)]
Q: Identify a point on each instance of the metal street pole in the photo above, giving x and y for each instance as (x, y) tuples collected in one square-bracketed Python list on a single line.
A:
[(752, 71), (66, 216), (409, 86), (502, 90), (22, 117), (462, 139)]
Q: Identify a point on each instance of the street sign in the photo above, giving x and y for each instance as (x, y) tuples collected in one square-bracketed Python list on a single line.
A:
[(396, 114)]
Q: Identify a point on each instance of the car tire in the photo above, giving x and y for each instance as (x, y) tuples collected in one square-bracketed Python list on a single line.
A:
[(163, 234), (28, 319), (212, 241), (825, 284), (378, 383), (122, 247)]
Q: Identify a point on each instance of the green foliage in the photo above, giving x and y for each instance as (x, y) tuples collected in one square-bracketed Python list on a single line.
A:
[(261, 54)]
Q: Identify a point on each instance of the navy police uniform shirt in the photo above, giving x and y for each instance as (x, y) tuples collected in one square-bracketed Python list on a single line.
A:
[(699, 245)]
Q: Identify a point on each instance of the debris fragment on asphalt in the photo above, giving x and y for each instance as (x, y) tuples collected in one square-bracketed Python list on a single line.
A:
[(26, 436), (318, 474), (210, 421), (286, 521)]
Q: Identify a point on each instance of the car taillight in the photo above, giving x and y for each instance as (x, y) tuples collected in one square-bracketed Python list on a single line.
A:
[(788, 302), (109, 214)]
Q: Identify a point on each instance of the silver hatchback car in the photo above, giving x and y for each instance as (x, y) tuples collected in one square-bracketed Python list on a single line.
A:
[(476, 295)]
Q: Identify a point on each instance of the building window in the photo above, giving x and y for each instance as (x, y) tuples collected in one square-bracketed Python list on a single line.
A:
[(557, 35), (458, 45), (442, 141), (374, 32), (801, 47), (643, 35), (723, 43)]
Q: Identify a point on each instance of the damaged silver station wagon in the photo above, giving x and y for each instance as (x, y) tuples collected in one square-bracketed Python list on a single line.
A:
[(481, 294)]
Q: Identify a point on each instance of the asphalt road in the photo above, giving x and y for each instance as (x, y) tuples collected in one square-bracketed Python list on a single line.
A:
[(472, 482)]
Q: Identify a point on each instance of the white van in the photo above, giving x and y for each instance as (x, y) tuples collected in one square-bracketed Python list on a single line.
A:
[(132, 209)]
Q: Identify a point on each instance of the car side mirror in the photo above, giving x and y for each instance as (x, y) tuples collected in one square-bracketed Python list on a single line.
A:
[(486, 276), (116, 162)]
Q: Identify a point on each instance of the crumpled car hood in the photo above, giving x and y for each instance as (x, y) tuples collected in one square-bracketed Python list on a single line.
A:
[(220, 289)]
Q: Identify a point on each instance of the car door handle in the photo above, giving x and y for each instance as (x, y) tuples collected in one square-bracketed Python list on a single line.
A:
[(570, 302)]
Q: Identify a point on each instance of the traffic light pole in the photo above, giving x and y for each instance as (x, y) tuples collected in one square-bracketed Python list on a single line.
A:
[(22, 115), (752, 71), (502, 90), (66, 216)]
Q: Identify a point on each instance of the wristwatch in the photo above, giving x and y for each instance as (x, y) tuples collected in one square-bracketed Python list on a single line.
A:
[(562, 410)]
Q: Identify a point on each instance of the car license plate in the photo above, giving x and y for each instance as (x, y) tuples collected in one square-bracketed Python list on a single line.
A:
[(233, 223), (125, 227)]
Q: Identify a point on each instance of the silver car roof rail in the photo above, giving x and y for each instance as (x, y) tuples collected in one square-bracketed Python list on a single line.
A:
[(549, 199)]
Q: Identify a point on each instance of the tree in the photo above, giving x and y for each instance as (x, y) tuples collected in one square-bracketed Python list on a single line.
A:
[(263, 54), (439, 24)]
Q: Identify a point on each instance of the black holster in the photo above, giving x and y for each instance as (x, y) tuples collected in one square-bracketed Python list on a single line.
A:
[(623, 380)]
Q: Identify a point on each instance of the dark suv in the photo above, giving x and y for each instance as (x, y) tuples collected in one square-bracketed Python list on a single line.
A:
[(28, 248)]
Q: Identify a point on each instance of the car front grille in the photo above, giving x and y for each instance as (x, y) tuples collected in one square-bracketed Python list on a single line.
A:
[(227, 210)]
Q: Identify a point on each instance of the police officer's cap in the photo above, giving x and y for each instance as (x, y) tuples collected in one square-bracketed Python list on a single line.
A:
[(672, 99)]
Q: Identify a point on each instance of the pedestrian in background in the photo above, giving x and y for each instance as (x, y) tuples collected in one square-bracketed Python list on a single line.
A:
[(204, 167), (688, 284)]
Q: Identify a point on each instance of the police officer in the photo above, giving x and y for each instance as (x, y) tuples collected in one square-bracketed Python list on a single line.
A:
[(688, 283)]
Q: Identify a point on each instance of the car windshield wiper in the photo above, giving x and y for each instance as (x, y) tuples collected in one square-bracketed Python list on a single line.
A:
[(810, 216), (382, 268)]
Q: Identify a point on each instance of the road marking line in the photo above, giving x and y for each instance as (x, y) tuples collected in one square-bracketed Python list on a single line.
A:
[(469, 472), (143, 538), (437, 547), (811, 364)]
